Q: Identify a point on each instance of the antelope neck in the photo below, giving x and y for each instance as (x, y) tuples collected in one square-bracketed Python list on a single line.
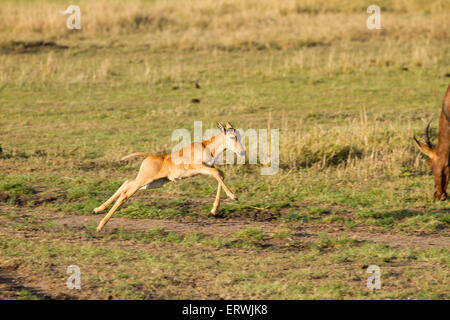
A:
[(215, 145)]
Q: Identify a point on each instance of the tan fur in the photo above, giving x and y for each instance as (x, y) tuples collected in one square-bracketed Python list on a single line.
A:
[(132, 155), (157, 170)]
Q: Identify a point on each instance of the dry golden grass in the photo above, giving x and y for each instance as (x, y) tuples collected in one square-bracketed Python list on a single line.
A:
[(227, 24)]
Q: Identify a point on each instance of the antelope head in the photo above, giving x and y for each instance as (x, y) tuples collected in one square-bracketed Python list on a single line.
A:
[(231, 139), (438, 157)]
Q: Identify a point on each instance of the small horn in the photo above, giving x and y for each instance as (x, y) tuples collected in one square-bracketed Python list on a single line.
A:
[(220, 126)]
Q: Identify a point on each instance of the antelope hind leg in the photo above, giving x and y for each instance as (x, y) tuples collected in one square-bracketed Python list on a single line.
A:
[(126, 193), (108, 202)]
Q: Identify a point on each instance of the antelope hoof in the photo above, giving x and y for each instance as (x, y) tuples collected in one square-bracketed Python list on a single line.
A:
[(212, 215), (215, 215), (440, 197), (234, 197)]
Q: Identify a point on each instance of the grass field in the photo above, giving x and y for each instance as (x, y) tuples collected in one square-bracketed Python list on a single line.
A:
[(352, 189)]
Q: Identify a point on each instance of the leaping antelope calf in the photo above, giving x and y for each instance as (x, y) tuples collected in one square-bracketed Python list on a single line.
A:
[(439, 156), (157, 170)]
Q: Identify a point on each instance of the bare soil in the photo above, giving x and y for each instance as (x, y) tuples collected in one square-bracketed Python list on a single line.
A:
[(16, 279), (214, 227)]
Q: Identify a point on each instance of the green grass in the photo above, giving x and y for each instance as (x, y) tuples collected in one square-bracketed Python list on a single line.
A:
[(347, 103), (252, 234)]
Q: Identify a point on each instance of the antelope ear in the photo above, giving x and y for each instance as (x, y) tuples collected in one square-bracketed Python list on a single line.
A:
[(229, 126), (426, 150), (220, 126)]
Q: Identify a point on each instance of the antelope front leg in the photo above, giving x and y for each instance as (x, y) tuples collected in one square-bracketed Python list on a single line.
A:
[(441, 181), (213, 172), (446, 179), (217, 201)]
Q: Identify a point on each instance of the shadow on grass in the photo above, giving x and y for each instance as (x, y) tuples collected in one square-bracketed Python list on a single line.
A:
[(23, 291), (409, 219)]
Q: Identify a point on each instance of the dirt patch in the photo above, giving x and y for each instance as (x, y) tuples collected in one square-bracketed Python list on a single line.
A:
[(209, 227), (19, 279), (15, 47), (215, 228), (224, 228), (11, 288), (24, 284), (363, 234), (31, 200), (253, 214)]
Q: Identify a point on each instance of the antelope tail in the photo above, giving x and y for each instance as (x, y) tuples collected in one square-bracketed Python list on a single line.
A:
[(136, 154)]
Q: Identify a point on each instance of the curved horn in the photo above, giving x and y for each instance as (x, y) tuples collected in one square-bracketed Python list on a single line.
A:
[(427, 135), (425, 149)]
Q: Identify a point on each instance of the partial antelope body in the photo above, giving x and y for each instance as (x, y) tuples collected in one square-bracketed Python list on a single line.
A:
[(439, 156), (156, 170)]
